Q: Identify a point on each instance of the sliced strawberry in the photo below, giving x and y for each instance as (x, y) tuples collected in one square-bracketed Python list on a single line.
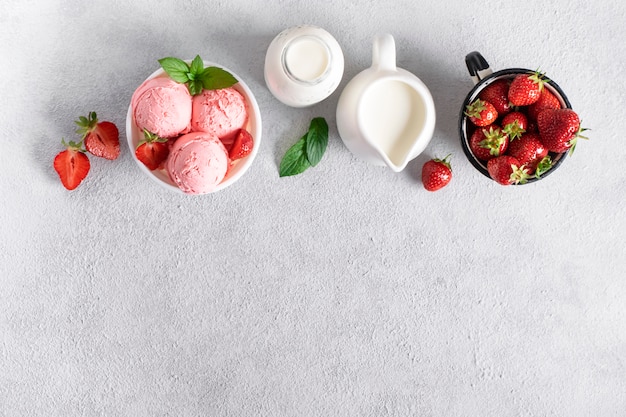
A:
[(72, 165), (152, 151), (242, 146), (101, 138)]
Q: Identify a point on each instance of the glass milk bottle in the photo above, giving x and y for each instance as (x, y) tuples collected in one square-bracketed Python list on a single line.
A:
[(303, 65)]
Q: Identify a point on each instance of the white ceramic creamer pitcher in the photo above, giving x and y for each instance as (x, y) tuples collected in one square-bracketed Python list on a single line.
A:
[(385, 114)]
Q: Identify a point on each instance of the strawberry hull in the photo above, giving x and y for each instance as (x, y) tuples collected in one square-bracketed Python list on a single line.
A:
[(483, 76)]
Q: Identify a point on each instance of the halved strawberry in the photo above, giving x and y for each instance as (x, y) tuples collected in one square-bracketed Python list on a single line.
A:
[(152, 151), (481, 112), (101, 138), (525, 89), (72, 165), (242, 146)]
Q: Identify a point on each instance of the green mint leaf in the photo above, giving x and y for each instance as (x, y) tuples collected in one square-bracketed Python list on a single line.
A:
[(316, 140), (196, 68), (214, 78), (195, 87), (177, 69), (295, 161)]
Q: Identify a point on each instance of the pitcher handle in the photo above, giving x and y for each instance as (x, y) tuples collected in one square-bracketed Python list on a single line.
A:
[(384, 52), (477, 66)]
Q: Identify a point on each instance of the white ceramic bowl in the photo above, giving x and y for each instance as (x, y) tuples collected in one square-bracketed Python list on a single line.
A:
[(134, 135)]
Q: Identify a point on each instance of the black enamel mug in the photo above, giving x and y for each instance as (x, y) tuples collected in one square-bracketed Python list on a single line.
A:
[(483, 75)]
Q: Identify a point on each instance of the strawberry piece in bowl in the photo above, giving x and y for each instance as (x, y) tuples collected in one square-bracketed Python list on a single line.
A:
[(152, 151)]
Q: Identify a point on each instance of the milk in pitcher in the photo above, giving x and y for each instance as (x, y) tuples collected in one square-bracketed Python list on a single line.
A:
[(391, 115)]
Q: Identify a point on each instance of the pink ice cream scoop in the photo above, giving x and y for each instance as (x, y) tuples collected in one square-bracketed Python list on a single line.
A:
[(162, 106), (197, 162), (221, 111)]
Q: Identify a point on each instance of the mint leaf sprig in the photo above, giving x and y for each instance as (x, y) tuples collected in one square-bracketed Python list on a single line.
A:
[(196, 76), (307, 151)]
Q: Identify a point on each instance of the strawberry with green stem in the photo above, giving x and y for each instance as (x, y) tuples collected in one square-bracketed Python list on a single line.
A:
[(152, 151), (531, 153), (496, 93), (514, 124), (525, 89), (560, 129), (101, 138), (72, 165), (481, 113), (488, 143), (507, 170), (436, 173)]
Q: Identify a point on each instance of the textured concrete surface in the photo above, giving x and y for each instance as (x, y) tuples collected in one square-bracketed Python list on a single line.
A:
[(345, 291)]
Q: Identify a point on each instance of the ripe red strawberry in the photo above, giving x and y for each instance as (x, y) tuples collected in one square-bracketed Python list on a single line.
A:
[(101, 138), (532, 126), (547, 100), (487, 143), (72, 165), (514, 124), (507, 170), (152, 151), (497, 93), (242, 146), (530, 152), (481, 112), (436, 173), (559, 129), (525, 89)]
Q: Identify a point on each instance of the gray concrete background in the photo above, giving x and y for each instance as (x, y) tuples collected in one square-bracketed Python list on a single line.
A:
[(345, 291)]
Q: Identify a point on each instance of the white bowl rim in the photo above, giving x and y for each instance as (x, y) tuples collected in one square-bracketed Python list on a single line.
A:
[(240, 167)]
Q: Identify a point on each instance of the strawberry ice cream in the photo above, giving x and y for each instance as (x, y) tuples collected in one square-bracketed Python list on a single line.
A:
[(197, 162), (163, 107), (222, 112)]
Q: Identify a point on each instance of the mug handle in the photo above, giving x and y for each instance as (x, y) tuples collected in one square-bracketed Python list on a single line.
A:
[(477, 66), (384, 52)]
